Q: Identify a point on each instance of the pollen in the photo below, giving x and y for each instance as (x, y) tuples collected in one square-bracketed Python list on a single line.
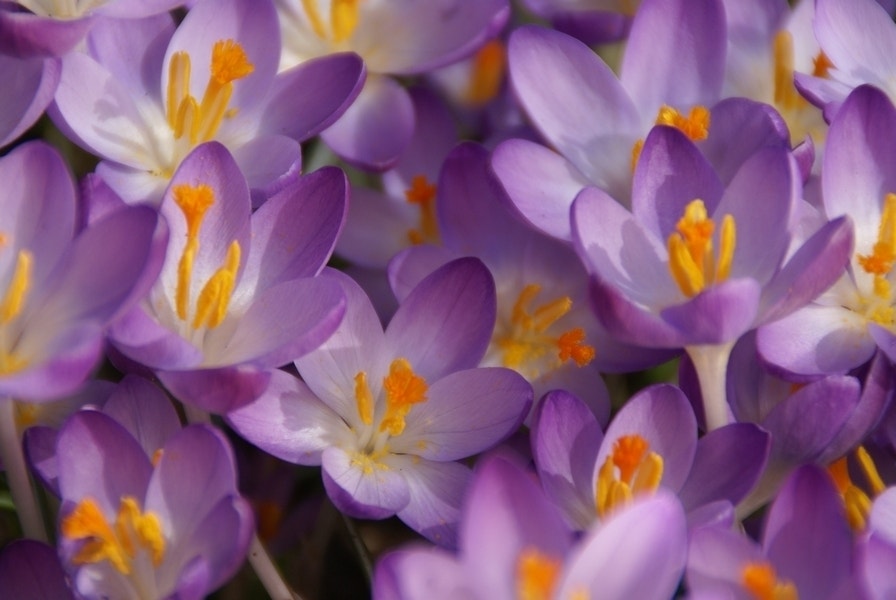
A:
[(695, 125), (229, 62), (118, 543), (692, 260), (489, 66), (363, 398), (344, 19), (631, 469), (403, 389), (536, 575), (761, 581), (423, 194)]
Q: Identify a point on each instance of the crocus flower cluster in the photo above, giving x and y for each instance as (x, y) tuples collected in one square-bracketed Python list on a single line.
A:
[(524, 299)]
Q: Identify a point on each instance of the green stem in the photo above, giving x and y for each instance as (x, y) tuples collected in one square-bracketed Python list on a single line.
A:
[(20, 487)]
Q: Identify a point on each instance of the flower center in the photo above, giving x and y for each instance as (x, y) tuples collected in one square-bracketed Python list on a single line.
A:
[(879, 264), (761, 581), (214, 298), (423, 194), (536, 575), (403, 389), (630, 470), (118, 543), (343, 19), (856, 501), (12, 304), (695, 125), (527, 343), (198, 121), (692, 260)]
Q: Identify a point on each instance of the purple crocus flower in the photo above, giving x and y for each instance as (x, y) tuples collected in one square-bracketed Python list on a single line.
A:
[(30, 85), (877, 548), (130, 527), (592, 21), (515, 545), (650, 445), (697, 264), (844, 327), (806, 549), (59, 288), (394, 39), (237, 294), (596, 121), (53, 28), (388, 414), (213, 78), (30, 570)]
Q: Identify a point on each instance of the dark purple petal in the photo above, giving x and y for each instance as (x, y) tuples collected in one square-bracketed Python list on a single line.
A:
[(26, 34), (39, 444), (29, 87), (142, 338), (30, 570), (310, 97), (216, 390), (446, 323), (717, 315), (145, 411), (728, 463), (630, 322)]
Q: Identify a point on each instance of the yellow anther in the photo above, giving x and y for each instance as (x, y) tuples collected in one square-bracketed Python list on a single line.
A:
[(875, 482), (363, 398), (786, 95), (133, 530), (214, 299), (17, 288), (855, 500), (761, 581), (536, 575), (193, 201), (229, 62), (178, 91), (630, 470), (423, 194), (403, 389), (489, 65), (157, 456), (636, 153), (314, 18), (344, 14), (692, 261)]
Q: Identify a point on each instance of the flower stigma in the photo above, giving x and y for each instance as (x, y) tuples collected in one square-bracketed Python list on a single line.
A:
[(488, 69), (344, 19), (214, 298), (527, 343), (631, 469), (761, 581), (423, 194), (692, 260), (695, 125)]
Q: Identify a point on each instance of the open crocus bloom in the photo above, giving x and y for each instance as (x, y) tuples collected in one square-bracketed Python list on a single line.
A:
[(59, 288), (237, 294), (388, 414), (139, 528), (213, 78)]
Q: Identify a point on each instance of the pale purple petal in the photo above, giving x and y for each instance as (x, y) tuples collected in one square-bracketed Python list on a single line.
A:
[(541, 184), (376, 128), (377, 228), (876, 558), (267, 158), (216, 390), (465, 413), (419, 573), (437, 493), (639, 552), (411, 266), (25, 34), (566, 438), (376, 494), (99, 459), (663, 417), (289, 422)]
